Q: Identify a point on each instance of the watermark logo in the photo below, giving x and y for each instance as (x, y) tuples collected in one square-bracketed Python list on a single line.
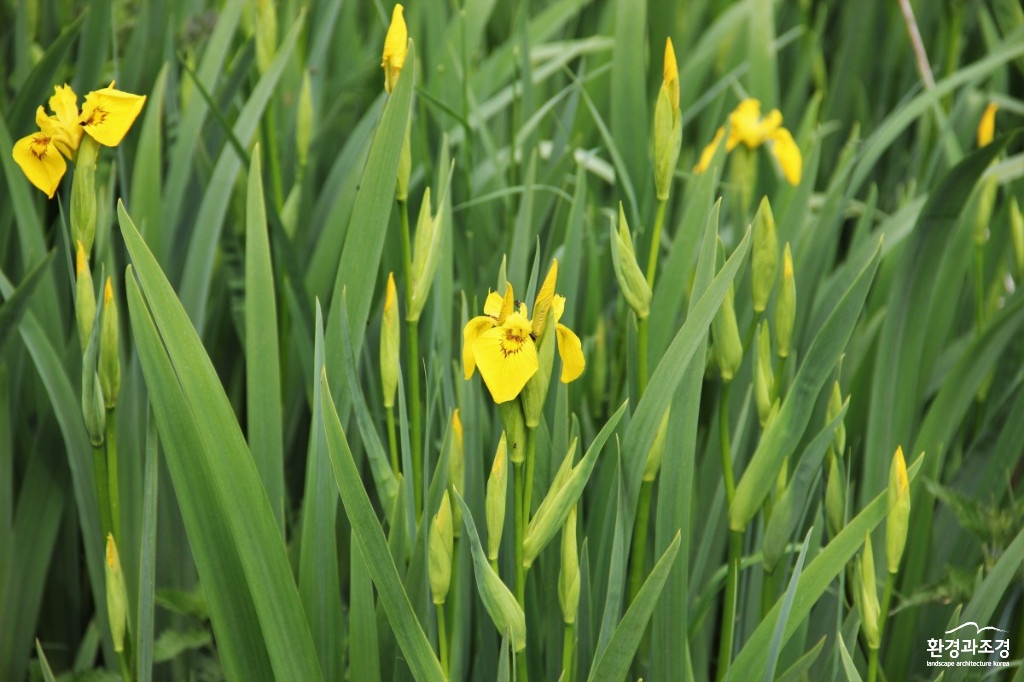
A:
[(970, 645)]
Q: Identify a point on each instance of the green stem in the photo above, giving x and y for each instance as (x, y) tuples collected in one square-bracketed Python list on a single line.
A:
[(729, 604), (113, 489), (126, 671), (531, 452), (392, 440), (883, 616), (415, 427), (638, 551), (641, 352), (723, 434), (568, 651), (520, 532), (872, 665), (99, 464), (767, 593), (652, 258), (979, 287), (442, 638)]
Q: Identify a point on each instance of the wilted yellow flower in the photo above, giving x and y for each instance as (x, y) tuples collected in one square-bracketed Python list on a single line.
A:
[(396, 44), (749, 128), (987, 124), (502, 342)]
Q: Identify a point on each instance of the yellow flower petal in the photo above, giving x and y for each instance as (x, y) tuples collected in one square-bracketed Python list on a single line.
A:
[(107, 114), (788, 155), (709, 152), (987, 125), (558, 305), (492, 306), (507, 357), (474, 328), (570, 349), (396, 44), (508, 303), (542, 304), (670, 74), (64, 105), (40, 161), (746, 125)]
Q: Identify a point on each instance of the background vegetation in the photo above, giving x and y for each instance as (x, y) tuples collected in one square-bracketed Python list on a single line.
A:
[(254, 201)]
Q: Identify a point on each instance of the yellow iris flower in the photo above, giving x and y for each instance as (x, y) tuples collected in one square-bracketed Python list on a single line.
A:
[(106, 116), (396, 44), (749, 128), (502, 342)]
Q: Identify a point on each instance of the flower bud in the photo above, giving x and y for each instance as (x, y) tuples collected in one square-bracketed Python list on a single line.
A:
[(304, 121), (117, 595), (785, 306), (85, 297), (495, 499), (898, 518), (631, 279), (390, 342), (987, 124), (440, 550), (835, 498), (764, 262), (548, 517), (1017, 234), (657, 451), (514, 423), (93, 409), (83, 194), (764, 377), (668, 125), (396, 45), (569, 572), (867, 591), (835, 406), (728, 347), (110, 361), (266, 33), (425, 256), (404, 167), (456, 465)]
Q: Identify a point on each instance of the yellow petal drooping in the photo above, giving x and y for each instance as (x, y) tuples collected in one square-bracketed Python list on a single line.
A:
[(709, 152), (987, 124), (788, 155), (507, 357), (64, 105), (396, 44), (474, 328), (671, 74), (558, 305), (108, 114), (40, 160), (747, 127), (570, 349), (542, 304)]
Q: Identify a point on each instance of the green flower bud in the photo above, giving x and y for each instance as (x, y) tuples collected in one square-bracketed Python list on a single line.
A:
[(390, 342), (93, 409), (1017, 234), (440, 550), (743, 175), (785, 306), (986, 200), (83, 194), (728, 346), (668, 125), (456, 465), (117, 595), (569, 572), (898, 518), (495, 499), (266, 33), (835, 406), (304, 121), (835, 497), (764, 377), (110, 361), (765, 256), (536, 390), (631, 279), (426, 254), (404, 167), (85, 297), (514, 423), (657, 450), (867, 591), (547, 520)]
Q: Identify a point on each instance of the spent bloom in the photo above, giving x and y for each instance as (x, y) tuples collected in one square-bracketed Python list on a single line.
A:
[(106, 116), (396, 45), (749, 128), (502, 342)]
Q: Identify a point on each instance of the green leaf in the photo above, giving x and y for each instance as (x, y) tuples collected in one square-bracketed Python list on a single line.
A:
[(148, 561), (775, 648), (799, 670), (262, 366), (370, 537), (173, 643), (848, 666), (44, 664), (613, 663), (16, 303)]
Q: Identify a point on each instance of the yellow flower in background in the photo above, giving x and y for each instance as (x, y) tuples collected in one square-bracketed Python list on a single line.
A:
[(749, 128), (502, 342), (396, 44), (987, 124), (106, 116)]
